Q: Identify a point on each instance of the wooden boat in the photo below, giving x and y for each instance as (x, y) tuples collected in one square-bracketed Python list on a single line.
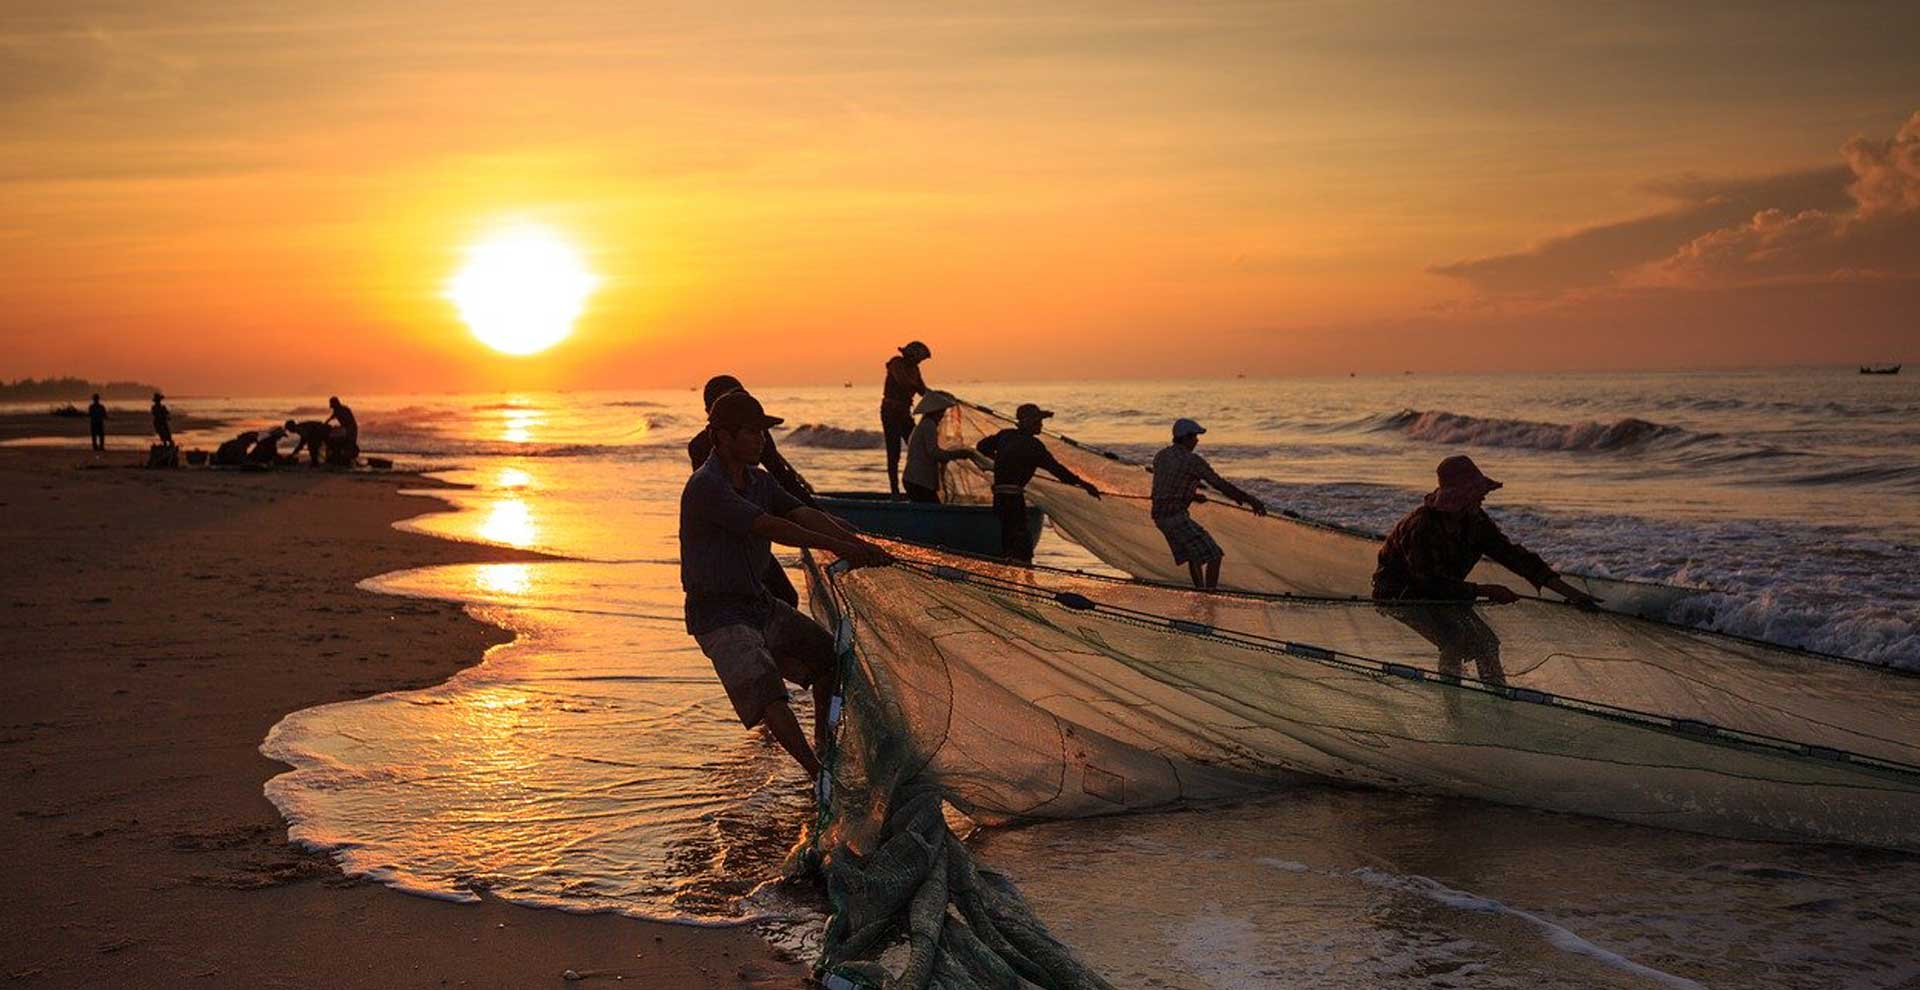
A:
[(963, 528), (1884, 369)]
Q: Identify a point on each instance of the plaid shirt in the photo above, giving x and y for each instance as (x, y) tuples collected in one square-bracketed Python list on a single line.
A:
[(1177, 475), (1429, 554)]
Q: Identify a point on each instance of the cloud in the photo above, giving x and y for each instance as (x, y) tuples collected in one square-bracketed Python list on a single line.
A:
[(1596, 256), (1878, 238), (1856, 221)]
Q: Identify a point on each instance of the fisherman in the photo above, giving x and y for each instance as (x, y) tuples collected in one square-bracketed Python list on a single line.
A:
[(701, 447), (1016, 454), (896, 404), (924, 453), (162, 420), (313, 436), (344, 446), (266, 449), (1177, 475), (730, 513), (1429, 554), (97, 423), (233, 453)]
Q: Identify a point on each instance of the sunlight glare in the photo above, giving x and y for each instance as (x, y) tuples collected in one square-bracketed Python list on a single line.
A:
[(521, 289)]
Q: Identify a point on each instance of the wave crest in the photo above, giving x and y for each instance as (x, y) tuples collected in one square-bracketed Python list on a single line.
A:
[(1440, 426), (833, 437)]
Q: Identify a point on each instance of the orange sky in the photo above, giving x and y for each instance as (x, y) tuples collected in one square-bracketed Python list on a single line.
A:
[(243, 196)]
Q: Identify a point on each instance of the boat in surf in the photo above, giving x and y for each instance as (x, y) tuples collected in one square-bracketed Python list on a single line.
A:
[(970, 528), (1879, 369)]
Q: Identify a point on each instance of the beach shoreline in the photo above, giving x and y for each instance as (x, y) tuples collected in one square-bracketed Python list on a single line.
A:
[(158, 624)]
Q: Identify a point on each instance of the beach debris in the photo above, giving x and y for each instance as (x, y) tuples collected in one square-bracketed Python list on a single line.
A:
[(571, 976)]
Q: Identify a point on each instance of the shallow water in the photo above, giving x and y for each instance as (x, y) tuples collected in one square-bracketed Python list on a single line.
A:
[(593, 763)]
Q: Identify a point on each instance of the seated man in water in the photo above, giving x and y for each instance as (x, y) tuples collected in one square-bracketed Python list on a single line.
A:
[(1016, 454), (784, 473), (1428, 554), (925, 456), (1177, 475), (731, 513), (313, 436)]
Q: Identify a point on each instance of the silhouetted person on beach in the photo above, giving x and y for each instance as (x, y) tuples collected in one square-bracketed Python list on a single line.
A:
[(313, 435), (1428, 554), (266, 449), (97, 423), (1178, 473), (1017, 453), (233, 453), (701, 447), (731, 513), (925, 456), (346, 445), (903, 382), (162, 419)]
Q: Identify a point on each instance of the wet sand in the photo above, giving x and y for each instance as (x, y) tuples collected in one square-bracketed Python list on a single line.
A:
[(156, 624)]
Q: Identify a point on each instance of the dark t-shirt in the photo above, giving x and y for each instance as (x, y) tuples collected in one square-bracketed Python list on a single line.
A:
[(701, 447), (312, 433), (1017, 455), (723, 564), (344, 416), (97, 413), (902, 383), (1430, 553)]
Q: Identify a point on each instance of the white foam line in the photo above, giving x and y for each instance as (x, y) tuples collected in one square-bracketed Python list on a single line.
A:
[(1556, 935)]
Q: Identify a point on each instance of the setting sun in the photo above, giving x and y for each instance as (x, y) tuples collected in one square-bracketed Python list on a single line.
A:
[(521, 289)]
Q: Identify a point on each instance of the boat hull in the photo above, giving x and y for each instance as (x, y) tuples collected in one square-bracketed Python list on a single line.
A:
[(967, 528)]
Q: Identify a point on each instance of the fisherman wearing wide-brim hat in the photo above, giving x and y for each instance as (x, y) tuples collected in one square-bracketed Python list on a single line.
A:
[(897, 392), (1178, 473), (925, 456), (162, 419), (1428, 554)]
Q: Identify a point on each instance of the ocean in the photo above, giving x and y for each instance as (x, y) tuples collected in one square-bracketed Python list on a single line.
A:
[(593, 764)]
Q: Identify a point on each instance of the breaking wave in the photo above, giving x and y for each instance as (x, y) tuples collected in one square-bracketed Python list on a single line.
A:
[(1440, 426), (833, 437)]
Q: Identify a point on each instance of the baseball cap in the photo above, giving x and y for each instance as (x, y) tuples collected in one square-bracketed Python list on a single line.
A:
[(736, 409), (1184, 427), (1028, 411)]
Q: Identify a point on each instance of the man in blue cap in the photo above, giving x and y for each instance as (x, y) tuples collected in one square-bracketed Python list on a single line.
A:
[(1178, 473)]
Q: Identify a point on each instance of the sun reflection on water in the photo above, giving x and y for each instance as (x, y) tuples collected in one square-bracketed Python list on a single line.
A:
[(509, 521), (511, 478), (517, 425), (513, 580)]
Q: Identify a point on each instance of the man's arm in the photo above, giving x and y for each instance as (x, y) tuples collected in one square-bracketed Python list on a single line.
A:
[(1061, 471), (786, 475), (821, 521), (1229, 489), (789, 533)]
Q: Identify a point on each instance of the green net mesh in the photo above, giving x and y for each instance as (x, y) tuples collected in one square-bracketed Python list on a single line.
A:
[(1016, 694)]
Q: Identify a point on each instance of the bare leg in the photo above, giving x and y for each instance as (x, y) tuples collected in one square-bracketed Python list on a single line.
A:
[(1213, 572), (779, 720), (1199, 576)]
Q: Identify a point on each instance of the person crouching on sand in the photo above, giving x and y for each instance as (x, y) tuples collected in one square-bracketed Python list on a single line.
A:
[(1016, 454), (1177, 475), (731, 512), (1428, 554), (311, 437)]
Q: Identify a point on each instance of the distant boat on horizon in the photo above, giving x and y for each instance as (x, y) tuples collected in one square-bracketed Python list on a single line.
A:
[(1880, 369)]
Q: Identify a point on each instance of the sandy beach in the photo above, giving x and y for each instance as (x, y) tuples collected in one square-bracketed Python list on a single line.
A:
[(157, 623)]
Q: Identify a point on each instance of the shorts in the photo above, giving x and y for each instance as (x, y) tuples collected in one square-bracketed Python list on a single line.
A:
[(753, 663), (1189, 541)]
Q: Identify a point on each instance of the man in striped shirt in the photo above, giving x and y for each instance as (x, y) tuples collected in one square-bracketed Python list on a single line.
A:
[(1178, 473)]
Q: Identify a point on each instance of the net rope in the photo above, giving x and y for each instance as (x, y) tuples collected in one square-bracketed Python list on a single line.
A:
[(1017, 694)]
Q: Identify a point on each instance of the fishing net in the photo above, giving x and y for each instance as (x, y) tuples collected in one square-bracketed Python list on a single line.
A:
[(1017, 694), (1274, 554)]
